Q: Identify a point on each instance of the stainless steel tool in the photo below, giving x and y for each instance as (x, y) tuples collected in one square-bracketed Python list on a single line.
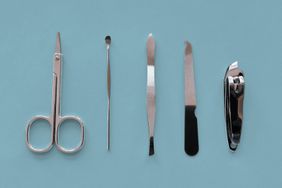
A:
[(108, 43), (55, 120), (234, 87), (151, 108), (191, 144)]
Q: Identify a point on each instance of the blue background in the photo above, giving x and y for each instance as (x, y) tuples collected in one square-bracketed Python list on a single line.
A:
[(220, 31)]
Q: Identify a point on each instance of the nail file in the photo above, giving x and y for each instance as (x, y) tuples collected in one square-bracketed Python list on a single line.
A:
[(191, 144)]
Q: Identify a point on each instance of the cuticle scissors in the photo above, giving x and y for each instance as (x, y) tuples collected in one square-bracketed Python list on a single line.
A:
[(55, 120)]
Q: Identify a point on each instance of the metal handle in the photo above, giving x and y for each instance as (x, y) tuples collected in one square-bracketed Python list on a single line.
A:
[(81, 142), (234, 116), (28, 128), (109, 102)]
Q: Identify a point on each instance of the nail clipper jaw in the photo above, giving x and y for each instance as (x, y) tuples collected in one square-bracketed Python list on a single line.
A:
[(233, 99), (237, 85)]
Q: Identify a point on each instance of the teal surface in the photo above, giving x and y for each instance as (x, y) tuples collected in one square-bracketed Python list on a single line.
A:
[(221, 32)]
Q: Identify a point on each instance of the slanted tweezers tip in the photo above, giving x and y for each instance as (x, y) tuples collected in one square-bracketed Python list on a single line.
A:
[(58, 36)]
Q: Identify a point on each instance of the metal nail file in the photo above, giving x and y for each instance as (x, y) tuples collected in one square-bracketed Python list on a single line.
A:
[(234, 86), (191, 144), (151, 91), (108, 43)]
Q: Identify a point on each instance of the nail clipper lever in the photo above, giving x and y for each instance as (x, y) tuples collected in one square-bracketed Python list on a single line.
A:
[(234, 85)]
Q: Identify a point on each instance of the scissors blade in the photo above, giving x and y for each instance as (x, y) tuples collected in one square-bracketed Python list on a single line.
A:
[(191, 145), (58, 43), (151, 90), (56, 88)]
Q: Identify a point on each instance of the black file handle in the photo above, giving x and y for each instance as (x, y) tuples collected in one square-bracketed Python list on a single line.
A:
[(191, 145)]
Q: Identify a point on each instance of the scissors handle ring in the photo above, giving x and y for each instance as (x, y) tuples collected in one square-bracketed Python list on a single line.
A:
[(28, 128), (81, 142)]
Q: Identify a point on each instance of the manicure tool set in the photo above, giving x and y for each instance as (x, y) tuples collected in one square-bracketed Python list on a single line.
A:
[(234, 85)]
